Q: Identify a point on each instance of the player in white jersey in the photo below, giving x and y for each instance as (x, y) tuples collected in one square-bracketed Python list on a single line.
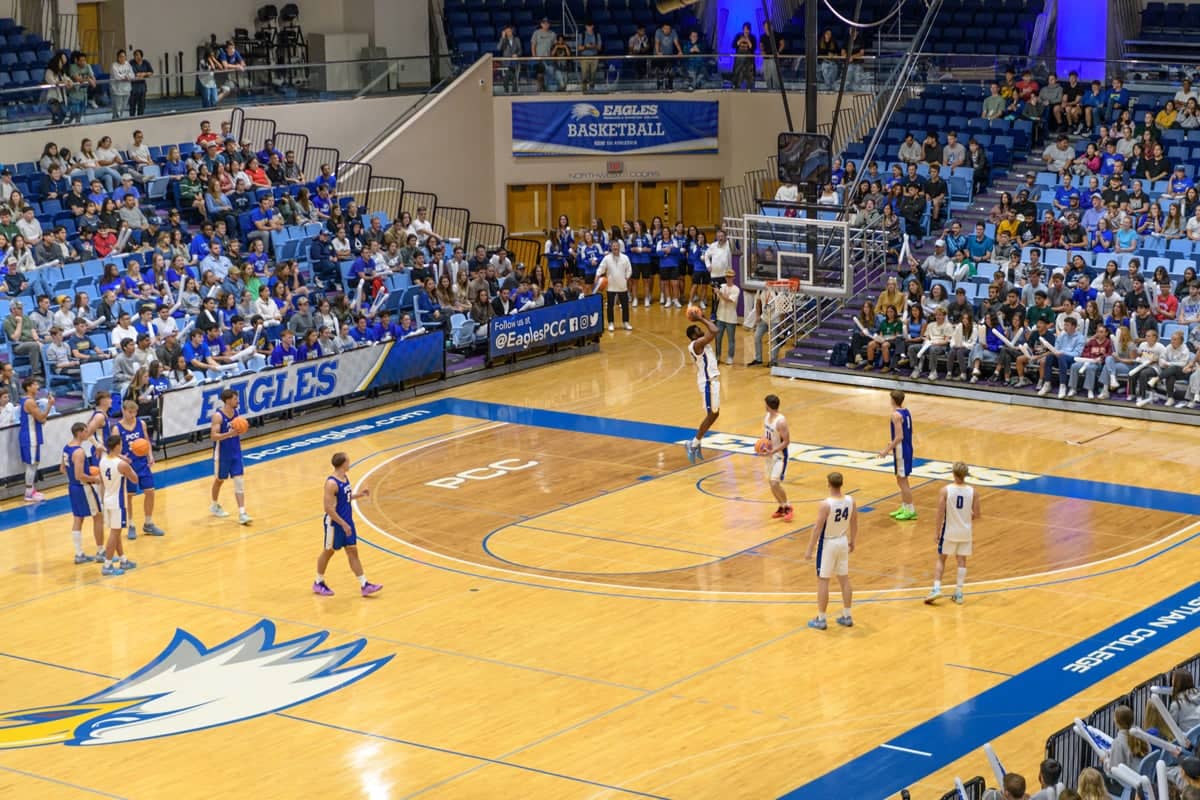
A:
[(700, 335), (958, 506), (778, 437), (115, 477), (833, 538)]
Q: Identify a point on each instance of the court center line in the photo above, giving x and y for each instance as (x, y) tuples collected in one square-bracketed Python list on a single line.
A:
[(48, 779), (499, 762), (981, 669)]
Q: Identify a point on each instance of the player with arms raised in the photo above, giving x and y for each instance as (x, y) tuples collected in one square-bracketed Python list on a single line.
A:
[(958, 506), (776, 438), (226, 434), (339, 527), (901, 451), (700, 335)]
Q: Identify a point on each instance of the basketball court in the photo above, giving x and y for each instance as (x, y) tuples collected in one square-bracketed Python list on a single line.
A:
[(572, 610)]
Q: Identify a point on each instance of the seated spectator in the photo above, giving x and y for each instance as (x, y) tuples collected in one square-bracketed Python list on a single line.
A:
[(994, 105)]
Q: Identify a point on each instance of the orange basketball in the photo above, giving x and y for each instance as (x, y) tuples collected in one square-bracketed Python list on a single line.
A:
[(140, 447), (91, 469), (693, 313), (762, 446), (239, 425), (602, 283)]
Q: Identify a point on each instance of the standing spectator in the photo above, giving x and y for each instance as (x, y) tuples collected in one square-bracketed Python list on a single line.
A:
[(727, 316), (120, 85), (83, 80), (207, 78), (638, 46), (55, 97), (769, 44), (509, 46), (232, 63), (559, 66), (666, 47), (541, 43), (137, 94), (828, 53), (695, 65), (744, 46), (590, 46), (615, 269)]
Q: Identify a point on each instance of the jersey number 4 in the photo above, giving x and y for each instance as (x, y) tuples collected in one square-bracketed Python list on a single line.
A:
[(840, 514)]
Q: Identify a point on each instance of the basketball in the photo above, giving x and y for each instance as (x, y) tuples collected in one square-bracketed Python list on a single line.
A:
[(91, 469), (602, 283), (140, 447), (693, 313), (239, 425), (762, 446)]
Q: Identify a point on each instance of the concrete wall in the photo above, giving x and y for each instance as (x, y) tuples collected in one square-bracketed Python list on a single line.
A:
[(345, 124)]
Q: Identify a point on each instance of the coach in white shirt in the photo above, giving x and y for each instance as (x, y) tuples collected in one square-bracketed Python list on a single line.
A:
[(616, 268), (719, 258)]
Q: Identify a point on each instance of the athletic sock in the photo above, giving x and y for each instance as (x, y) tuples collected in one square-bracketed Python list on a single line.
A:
[(937, 586), (77, 540), (821, 616), (695, 442), (846, 612), (107, 562), (241, 509), (962, 578), (362, 579), (320, 578), (909, 507)]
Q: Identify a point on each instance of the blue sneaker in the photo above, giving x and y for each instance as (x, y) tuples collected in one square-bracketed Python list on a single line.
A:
[(845, 622), (83, 558), (817, 624), (691, 454), (111, 571), (126, 564), (150, 529), (131, 533)]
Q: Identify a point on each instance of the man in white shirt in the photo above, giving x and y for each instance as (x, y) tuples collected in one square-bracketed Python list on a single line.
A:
[(1185, 93), (139, 154), (218, 264), (940, 265), (1058, 156), (727, 315), (501, 262), (421, 227), (165, 324), (29, 226), (719, 258), (1172, 367), (1193, 225), (615, 271), (122, 330), (787, 193), (911, 151), (937, 344), (1150, 353)]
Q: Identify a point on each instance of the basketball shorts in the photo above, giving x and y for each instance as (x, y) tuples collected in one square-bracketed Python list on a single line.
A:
[(669, 273), (710, 394), (228, 466), (31, 452), (84, 500), (641, 271), (337, 537), (114, 517), (145, 479), (701, 277), (903, 466), (962, 548), (833, 557), (777, 467)]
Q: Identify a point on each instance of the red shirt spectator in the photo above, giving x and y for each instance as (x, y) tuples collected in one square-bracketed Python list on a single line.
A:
[(1167, 305), (207, 136), (104, 242), (1027, 87)]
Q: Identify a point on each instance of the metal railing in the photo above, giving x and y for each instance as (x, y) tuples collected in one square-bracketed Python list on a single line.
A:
[(974, 789), (26, 102)]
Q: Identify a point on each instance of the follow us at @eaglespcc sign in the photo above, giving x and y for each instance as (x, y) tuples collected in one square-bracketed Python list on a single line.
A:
[(632, 128)]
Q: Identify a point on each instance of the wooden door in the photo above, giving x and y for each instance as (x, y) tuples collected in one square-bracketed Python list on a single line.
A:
[(658, 199), (700, 203), (615, 203), (89, 30), (527, 211), (574, 200)]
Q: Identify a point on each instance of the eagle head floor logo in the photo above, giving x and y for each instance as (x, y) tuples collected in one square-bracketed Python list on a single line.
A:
[(584, 110), (189, 687)]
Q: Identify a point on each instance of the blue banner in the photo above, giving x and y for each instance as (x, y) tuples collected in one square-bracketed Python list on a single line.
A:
[(549, 325), (607, 128), (414, 357)]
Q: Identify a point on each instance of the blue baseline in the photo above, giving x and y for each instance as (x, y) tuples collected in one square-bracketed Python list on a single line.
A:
[(949, 736), (1093, 491)]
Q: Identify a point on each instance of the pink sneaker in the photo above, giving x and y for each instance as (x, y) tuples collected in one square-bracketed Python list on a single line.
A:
[(322, 589), (34, 496), (370, 589)]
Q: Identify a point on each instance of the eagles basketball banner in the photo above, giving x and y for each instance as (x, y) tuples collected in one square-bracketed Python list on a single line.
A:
[(607, 128), (544, 326), (303, 383), (56, 432)]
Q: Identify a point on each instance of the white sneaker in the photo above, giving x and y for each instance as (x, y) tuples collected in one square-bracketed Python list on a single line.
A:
[(610, 326), (729, 361), (916, 373), (1043, 389), (703, 306), (1023, 382), (628, 327), (934, 376), (975, 377), (1062, 393), (1112, 382), (1091, 394), (217, 511), (1181, 403), (646, 301), (1142, 402), (634, 305), (1193, 404), (1105, 394), (244, 518), (1152, 382), (662, 299)]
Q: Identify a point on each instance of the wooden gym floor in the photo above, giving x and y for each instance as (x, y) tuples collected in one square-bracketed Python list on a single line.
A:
[(609, 621)]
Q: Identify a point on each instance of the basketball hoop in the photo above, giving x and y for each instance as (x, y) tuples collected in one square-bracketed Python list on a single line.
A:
[(784, 285), (783, 294)]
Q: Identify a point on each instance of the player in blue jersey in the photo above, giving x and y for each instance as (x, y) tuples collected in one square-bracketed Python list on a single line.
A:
[(81, 489), (227, 457), (901, 451), (339, 527), (31, 415), (130, 429)]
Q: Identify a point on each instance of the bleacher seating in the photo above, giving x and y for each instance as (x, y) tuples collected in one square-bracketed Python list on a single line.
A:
[(23, 57)]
